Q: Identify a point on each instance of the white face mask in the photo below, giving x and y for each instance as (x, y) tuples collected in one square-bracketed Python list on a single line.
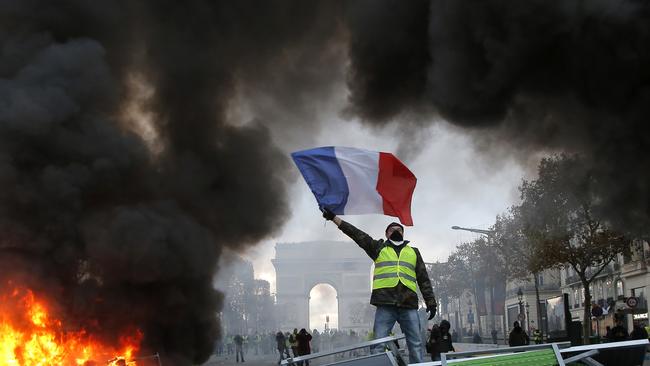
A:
[(397, 243)]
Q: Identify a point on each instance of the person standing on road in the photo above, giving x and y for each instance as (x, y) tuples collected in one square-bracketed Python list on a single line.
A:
[(304, 348), (399, 270), (517, 336), (293, 342), (440, 340), (239, 347), (281, 341)]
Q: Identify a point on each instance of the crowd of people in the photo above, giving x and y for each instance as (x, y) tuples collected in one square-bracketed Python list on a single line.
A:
[(287, 344), (619, 332), (439, 339)]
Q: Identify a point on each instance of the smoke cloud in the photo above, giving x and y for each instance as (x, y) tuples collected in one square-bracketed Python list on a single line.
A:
[(122, 229), (536, 76), (125, 227)]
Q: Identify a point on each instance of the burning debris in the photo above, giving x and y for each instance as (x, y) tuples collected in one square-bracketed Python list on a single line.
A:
[(31, 334)]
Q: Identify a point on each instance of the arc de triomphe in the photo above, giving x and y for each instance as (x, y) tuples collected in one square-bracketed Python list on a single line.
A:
[(343, 265)]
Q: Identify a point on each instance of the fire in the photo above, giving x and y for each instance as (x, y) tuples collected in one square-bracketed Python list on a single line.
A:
[(31, 336)]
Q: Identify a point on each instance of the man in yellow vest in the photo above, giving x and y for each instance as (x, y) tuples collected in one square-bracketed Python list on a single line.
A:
[(399, 270)]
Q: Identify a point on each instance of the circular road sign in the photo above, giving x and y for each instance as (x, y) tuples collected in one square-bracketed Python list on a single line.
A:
[(632, 302)]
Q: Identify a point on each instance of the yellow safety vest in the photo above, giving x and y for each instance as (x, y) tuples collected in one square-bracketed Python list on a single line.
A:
[(391, 269)]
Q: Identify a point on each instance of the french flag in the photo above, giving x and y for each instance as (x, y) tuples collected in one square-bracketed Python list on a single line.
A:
[(351, 181)]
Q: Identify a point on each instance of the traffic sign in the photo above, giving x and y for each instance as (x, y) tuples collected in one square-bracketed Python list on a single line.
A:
[(632, 302)]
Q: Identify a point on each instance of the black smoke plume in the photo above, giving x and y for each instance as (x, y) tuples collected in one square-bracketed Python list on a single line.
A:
[(122, 228), (569, 76)]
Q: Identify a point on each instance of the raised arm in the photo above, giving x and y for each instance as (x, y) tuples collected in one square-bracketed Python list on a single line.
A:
[(365, 241)]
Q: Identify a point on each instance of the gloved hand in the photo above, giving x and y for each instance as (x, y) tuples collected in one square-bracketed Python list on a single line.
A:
[(327, 214), (432, 311)]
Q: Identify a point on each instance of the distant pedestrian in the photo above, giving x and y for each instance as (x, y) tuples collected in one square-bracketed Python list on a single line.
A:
[(638, 332), (518, 337), (229, 344), (303, 347), (537, 336), (440, 341), (494, 336), (281, 341), (619, 333), (477, 338), (454, 336), (293, 342), (239, 347)]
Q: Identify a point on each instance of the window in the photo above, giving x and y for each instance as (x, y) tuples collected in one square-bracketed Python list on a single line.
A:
[(619, 288), (540, 279), (576, 298), (582, 297)]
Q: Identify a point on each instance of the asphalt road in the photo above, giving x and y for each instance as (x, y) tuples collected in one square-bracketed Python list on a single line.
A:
[(251, 359)]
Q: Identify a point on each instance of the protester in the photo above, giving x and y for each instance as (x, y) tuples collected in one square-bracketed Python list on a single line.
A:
[(303, 338), (537, 336), (281, 342), (638, 332), (619, 333), (399, 271), (517, 336), (293, 342), (239, 347), (440, 341), (229, 344)]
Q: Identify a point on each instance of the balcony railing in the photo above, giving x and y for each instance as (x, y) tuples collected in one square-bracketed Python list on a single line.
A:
[(611, 268)]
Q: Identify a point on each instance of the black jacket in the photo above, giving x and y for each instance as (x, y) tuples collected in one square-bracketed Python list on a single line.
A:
[(399, 295), (518, 337)]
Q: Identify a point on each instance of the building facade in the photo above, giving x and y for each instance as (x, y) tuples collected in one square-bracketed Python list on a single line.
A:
[(625, 277), (525, 309)]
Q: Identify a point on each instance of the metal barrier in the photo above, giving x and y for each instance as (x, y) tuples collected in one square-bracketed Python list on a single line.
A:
[(389, 358), (584, 354)]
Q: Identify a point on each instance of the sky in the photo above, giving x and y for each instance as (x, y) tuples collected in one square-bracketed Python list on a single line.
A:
[(459, 183)]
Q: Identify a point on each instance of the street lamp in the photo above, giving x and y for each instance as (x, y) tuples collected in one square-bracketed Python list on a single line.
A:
[(490, 236), (520, 297), (527, 318), (487, 233)]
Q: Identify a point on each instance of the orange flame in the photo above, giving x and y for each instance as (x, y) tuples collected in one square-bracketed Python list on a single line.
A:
[(31, 336)]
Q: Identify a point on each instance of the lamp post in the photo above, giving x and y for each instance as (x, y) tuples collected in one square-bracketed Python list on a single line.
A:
[(470, 315), (527, 319), (520, 297), (490, 235)]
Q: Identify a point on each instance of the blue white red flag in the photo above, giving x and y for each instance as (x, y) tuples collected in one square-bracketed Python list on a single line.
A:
[(350, 181)]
